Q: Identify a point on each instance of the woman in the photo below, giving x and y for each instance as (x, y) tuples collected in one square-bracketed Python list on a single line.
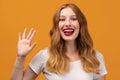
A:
[(71, 55)]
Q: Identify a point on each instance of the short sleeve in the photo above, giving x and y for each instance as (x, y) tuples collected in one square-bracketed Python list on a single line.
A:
[(102, 67), (38, 61)]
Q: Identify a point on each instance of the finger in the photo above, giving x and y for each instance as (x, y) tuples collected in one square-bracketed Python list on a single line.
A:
[(32, 46), (29, 34), (24, 33), (32, 35), (19, 38)]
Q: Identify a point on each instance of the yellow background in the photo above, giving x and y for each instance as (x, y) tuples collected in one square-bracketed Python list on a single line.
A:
[(103, 23)]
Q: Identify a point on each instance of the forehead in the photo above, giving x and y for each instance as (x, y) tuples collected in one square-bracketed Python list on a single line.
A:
[(67, 11)]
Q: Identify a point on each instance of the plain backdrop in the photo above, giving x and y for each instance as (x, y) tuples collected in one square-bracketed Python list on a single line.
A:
[(103, 24)]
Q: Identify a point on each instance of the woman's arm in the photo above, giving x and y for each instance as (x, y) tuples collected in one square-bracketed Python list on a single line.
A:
[(101, 78), (23, 48), (29, 74)]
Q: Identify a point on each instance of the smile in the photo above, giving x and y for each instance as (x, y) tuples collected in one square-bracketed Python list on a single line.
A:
[(68, 31)]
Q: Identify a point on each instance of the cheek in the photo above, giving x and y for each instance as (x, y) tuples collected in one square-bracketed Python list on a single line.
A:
[(60, 24), (60, 27), (77, 24)]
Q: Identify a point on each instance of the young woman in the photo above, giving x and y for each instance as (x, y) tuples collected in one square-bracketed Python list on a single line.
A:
[(70, 56)]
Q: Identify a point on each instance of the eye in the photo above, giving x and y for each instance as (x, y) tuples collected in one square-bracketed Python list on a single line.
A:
[(61, 19), (74, 19)]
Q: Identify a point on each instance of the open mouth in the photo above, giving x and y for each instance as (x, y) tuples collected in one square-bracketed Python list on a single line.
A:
[(68, 31)]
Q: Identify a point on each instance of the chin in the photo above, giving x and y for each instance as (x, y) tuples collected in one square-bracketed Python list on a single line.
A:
[(68, 39)]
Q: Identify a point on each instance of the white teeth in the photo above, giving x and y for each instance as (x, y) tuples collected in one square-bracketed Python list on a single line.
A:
[(68, 30)]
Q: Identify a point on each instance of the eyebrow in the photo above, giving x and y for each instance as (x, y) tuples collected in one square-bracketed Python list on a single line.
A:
[(64, 16)]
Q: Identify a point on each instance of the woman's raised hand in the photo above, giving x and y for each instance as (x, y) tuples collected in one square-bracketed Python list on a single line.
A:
[(24, 43)]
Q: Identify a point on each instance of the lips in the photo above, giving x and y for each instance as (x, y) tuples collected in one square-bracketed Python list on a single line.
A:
[(68, 31)]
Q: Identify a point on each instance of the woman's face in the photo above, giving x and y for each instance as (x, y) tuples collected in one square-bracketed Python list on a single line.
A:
[(68, 24)]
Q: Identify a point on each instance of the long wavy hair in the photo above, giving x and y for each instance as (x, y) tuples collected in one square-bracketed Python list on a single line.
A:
[(58, 61)]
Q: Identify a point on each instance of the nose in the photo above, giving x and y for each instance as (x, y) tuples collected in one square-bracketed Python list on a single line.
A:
[(67, 23)]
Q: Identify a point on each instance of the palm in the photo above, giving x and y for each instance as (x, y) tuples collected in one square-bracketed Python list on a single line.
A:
[(24, 43)]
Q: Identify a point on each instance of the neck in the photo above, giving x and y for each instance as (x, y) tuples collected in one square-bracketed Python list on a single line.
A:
[(72, 51), (71, 47)]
